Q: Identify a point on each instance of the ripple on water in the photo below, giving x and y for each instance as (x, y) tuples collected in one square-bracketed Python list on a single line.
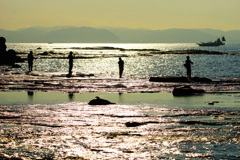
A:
[(75, 129)]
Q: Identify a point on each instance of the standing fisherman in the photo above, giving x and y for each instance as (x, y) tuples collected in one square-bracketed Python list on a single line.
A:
[(70, 58), (121, 67), (30, 61), (187, 65)]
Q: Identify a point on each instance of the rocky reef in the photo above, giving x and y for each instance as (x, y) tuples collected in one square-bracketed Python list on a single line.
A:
[(8, 57)]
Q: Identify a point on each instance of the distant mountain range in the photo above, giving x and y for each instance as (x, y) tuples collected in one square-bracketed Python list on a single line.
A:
[(115, 35)]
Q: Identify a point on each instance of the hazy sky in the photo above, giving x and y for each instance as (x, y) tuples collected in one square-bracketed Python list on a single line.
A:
[(149, 14)]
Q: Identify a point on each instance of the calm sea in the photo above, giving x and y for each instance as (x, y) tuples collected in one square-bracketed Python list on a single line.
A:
[(103, 62)]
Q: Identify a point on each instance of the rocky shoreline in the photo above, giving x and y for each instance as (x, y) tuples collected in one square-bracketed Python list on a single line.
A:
[(79, 83)]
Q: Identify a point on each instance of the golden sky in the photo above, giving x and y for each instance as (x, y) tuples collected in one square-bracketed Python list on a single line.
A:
[(148, 14)]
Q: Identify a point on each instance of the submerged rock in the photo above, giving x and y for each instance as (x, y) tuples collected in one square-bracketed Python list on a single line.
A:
[(186, 91), (99, 101), (212, 103)]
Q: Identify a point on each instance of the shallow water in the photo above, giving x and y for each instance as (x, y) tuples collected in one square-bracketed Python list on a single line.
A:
[(53, 125), (225, 101)]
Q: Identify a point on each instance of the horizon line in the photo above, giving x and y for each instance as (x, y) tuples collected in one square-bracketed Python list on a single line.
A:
[(105, 27)]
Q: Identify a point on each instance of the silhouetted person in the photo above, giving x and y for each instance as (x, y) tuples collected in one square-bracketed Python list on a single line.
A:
[(30, 61), (70, 58), (187, 65), (121, 67)]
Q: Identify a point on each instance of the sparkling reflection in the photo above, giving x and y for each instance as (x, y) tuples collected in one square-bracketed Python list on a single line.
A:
[(76, 130)]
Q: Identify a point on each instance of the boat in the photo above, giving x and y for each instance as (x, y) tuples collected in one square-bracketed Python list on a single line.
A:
[(218, 42)]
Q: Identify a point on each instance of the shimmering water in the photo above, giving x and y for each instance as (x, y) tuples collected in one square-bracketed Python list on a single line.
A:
[(56, 126), (66, 47), (103, 62)]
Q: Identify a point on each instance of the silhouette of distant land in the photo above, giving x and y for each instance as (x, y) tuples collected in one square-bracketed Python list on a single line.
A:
[(69, 34)]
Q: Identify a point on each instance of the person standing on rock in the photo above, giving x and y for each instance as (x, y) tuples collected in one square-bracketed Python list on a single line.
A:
[(187, 65), (121, 67), (70, 58), (30, 61)]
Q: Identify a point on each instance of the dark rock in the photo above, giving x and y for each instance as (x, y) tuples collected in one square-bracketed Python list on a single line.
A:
[(133, 124), (179, 79), (3, 46), (186, 91), (168, 79), (30, 93), (44, 53), (99, 101), (212, 103), (201, 79), (16, 66), (7, 57), (84, 75)]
